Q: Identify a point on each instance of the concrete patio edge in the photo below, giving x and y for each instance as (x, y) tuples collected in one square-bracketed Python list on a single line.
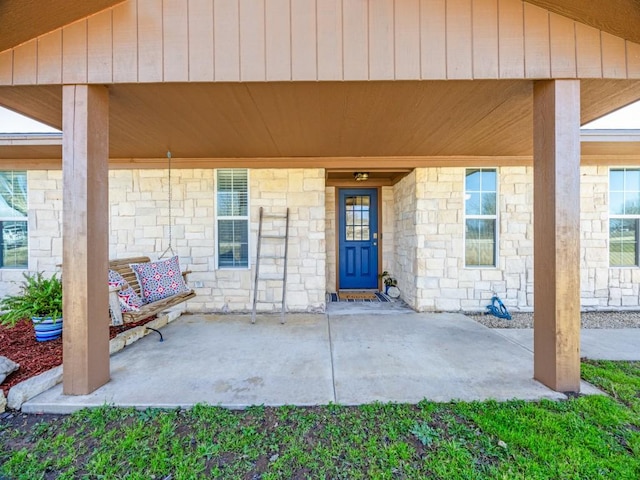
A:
[(343, 358), (34, 386)]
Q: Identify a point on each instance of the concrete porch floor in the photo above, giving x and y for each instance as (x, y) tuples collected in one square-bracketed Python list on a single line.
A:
[(353, 354)]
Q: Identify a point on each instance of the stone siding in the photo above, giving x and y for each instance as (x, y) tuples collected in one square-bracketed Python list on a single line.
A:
[(444, 283), (303, 191), (386, 232), (139, 225), (602, 286), (430, 244), (331, 228), (422, 237), (406, 240)]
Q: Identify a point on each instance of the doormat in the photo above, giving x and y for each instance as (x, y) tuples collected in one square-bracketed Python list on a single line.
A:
[(359, 297)]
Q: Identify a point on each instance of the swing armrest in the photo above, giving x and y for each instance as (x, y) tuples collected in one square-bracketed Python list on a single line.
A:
[(185, 273), (114, 306)]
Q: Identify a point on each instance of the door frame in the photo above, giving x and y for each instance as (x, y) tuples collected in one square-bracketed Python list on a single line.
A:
[(337, 232)]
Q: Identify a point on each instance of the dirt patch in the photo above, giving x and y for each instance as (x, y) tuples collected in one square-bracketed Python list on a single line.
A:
[(19, 344)]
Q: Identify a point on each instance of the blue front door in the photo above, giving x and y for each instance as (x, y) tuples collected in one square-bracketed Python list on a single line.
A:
[(358, 244)]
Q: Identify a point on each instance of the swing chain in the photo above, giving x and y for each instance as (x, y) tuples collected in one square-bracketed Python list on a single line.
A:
[(170, 247)]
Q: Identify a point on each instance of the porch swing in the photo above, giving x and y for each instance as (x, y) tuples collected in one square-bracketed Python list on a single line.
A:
[(165, 284)]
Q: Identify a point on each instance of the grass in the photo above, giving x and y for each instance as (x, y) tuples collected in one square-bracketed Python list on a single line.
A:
[(581, 438)]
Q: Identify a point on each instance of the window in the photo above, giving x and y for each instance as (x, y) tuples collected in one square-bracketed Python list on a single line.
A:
[(232, 212), (357, 221), (480, 217), (13, 220), (624, 216)]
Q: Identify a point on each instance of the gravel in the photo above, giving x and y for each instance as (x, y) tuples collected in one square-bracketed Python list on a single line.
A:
[(619, 319)]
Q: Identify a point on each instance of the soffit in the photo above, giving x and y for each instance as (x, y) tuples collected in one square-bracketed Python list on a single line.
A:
[(23, 20), (304, 119), (27, 146), (620, 143), (617, 17), (321, 119), (619, 149)]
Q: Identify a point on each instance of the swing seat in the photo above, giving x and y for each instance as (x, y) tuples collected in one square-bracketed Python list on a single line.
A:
[(118, 317)]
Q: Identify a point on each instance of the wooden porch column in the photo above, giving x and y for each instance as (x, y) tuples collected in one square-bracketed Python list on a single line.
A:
[(556, 212), (85, 244)]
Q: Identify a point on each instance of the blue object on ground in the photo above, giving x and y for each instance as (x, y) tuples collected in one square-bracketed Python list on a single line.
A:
[(498, 309)]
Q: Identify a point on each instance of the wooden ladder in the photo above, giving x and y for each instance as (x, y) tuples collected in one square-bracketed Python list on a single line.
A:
[(274, 241)]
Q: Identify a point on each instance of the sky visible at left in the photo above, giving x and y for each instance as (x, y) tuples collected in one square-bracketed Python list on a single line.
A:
[(12, 122)]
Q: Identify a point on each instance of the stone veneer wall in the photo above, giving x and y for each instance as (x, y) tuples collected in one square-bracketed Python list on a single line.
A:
[(406, 240), (423, 232), (443, 281), (139, 226), (387, 231), (430, 244), (331, 228), (601, 286)]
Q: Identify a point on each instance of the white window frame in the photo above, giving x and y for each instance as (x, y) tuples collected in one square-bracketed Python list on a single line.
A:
[(25, 219), (237, 217), (621, 217), (494, 217)]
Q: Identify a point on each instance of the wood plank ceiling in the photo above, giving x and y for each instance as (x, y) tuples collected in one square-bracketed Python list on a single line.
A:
[(321, 119)]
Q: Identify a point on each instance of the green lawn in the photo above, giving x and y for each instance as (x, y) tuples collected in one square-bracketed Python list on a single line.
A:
[(582, 438)]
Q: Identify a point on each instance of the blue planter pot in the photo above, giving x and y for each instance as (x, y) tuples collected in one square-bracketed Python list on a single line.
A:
[(47, 328)]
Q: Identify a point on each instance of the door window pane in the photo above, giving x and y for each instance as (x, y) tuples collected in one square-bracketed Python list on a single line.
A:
[(357, 218)]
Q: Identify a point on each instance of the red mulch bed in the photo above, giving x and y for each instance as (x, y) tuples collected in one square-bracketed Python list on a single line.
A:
[(19, 344)]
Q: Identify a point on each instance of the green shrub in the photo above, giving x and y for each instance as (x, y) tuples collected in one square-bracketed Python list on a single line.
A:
[(39, 297)]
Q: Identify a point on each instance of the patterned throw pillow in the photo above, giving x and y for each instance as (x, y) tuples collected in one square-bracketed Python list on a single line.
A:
[(159, 279), (130, 301)]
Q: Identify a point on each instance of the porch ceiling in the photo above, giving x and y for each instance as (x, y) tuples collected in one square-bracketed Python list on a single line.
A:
[(319, 119)]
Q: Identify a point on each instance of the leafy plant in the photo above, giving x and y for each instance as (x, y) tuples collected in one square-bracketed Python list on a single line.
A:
[(425, 433), (388, 280), (39, 297)]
